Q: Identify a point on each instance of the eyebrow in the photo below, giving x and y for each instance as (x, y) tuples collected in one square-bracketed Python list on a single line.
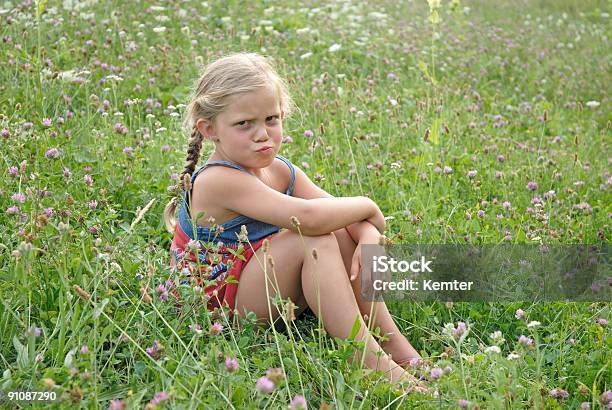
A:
[(248, 117)]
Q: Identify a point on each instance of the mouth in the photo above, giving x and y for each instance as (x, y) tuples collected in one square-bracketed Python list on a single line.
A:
[(265, 149)]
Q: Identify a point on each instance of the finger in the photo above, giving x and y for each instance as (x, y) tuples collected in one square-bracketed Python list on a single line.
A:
[(354, 268)]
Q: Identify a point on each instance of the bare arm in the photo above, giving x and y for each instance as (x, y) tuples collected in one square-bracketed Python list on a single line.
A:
[(251, 197), (305, 188)]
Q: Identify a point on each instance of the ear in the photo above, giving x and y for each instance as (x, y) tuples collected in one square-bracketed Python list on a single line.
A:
[(282, 115), (207, 129)]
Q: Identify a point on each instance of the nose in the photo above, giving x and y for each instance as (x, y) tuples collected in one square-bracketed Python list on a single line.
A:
[(262, 134)]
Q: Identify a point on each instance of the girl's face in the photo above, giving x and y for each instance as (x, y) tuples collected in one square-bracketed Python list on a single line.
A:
[(249, 131)]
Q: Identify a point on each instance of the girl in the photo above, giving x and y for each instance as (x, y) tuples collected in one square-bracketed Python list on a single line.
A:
[(250, 192)]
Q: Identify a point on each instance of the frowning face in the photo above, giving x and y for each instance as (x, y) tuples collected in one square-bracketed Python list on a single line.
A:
[(249, 131)]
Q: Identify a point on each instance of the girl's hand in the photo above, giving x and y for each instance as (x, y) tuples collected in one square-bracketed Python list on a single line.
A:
[(378, 219), (370, 238)]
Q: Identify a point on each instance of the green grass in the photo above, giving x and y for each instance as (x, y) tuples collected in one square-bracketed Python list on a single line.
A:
[(502, 78)]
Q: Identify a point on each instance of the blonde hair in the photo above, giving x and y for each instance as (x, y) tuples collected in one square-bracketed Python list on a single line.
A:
[(227, 76)]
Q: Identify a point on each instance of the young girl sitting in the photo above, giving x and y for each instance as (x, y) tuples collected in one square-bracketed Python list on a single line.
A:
[(250, 192)]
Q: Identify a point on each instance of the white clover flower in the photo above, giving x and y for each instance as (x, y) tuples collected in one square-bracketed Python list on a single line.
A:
[(497, 337), (492, 349), (334, 47), (160, 29), (533, 323), (592, 104), (305, 56), (512, 356), (448, 329)]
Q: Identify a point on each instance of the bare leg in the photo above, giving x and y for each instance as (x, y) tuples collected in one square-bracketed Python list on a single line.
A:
[(298, 275), (397, 346)]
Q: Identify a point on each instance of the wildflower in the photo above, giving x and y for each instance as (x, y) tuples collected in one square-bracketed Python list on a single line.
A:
[(120, 128), (37, 331), (18, 197), (533, 323), (472, 173), (584, 206), (165, 148), (287, 139), (549, 194), (592, 104), (463, 403), (436, 373), (67, 173), (606, 398), (117, 405), (493, 349), (276, 375), (47, 122), (92, 204), (243, 236), (500, 158), (5, 133), (216, 328), (558, 393), (162, 292), (308, 134), (84, 349), (298, 403), (231, 365), (481, 214), (156, 351), (448, 170), (525, 341), (28, 125), (532, 186), (334, 47), (13, 171), (460, 330), (571, 341), (157, 399), (52, 153), (129, 151), (197, 329), (497, 337), (12, 210), (519, 314), (448, 370), (88, 180), (512, 356), (264, 385), (499, 174), (585, 405), (602, 322)]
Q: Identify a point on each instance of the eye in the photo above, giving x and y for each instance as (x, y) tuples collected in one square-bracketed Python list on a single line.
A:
[(242, 124), (272, 118)]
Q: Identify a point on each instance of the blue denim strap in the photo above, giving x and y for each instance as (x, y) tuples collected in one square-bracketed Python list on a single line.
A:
[(292, 169)]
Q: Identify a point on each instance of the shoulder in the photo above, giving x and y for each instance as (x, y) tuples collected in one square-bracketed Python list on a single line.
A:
[(220, 180), (282, 168)]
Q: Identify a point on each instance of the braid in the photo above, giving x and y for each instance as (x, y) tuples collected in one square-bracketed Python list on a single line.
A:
[(193, 155)]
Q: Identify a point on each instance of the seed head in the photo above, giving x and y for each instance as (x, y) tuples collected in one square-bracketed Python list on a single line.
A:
[(187, 182), (82, 294)]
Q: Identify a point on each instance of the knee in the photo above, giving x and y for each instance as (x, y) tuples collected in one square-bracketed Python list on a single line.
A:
[(321, 242)]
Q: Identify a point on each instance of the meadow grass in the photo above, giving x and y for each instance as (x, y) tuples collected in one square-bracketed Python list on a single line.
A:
[(490, 126)]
